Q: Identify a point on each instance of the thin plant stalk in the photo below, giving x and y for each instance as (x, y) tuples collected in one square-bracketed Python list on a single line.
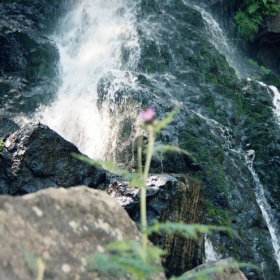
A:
[(139, 154), (143, 192), (41, 269)]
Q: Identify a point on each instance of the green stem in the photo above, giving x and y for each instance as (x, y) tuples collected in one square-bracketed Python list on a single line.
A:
[(150, 151), (139, 153), (41, 269), (143, 193)]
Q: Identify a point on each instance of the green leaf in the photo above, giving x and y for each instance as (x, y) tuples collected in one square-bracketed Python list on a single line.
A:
[(108, 165), (253, 8), (137, 182), (187, 230), (125, 257), (265, 70), (169, 118), (87, 160), (31, 259), (170, 148)]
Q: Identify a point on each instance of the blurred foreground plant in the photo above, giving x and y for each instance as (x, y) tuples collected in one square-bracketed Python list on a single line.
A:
[(36, 263), (139, 260), (2, 144)]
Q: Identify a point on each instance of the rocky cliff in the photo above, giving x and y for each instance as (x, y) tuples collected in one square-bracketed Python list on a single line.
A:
[(221, 121)]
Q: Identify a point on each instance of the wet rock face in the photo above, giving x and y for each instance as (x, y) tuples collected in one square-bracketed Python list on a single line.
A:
[(219, 117), (7, 127), (169, 198), (36, 157), (28, 59), (62, 227)]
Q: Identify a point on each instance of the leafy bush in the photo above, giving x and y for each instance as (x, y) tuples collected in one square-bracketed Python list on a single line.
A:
[(252, 14)]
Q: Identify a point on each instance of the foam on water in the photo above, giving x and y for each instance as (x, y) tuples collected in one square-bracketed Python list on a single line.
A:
[(210, 253), (90, 41)]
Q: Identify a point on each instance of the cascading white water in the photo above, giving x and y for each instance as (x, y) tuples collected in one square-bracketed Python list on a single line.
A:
[(267, 214), (210, 254), (218, 38), (90, 40), (276, 102)]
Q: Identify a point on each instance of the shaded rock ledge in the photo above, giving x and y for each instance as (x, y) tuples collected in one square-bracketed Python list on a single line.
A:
[(7, 127), (175, 198)]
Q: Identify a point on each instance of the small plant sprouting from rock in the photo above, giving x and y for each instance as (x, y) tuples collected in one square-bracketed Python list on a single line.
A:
[(2, 144), (138, 259)]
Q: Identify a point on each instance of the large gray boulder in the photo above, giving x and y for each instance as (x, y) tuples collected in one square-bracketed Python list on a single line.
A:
[(63, 227), (36, 157)]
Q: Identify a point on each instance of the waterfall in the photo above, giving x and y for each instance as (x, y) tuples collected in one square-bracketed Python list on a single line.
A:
[(210, 253), (90, 40), (219, 40), (276, 102), (267, 213), (224, 45)]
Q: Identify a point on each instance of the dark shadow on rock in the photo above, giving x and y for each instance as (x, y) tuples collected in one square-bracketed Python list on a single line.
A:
[(36, 157), (175, 198)]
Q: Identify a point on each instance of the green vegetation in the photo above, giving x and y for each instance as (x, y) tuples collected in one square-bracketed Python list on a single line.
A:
[(2, 143), (255, 64), (137, 258), (252, 14)]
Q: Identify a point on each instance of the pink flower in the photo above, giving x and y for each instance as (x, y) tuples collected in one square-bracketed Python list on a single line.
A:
[(147, 114)]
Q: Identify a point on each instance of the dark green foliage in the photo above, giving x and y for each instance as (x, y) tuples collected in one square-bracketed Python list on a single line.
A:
[(252, 14), (247, 26)]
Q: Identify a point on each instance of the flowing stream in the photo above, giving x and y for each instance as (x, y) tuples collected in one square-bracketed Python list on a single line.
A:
[(90, 41)]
